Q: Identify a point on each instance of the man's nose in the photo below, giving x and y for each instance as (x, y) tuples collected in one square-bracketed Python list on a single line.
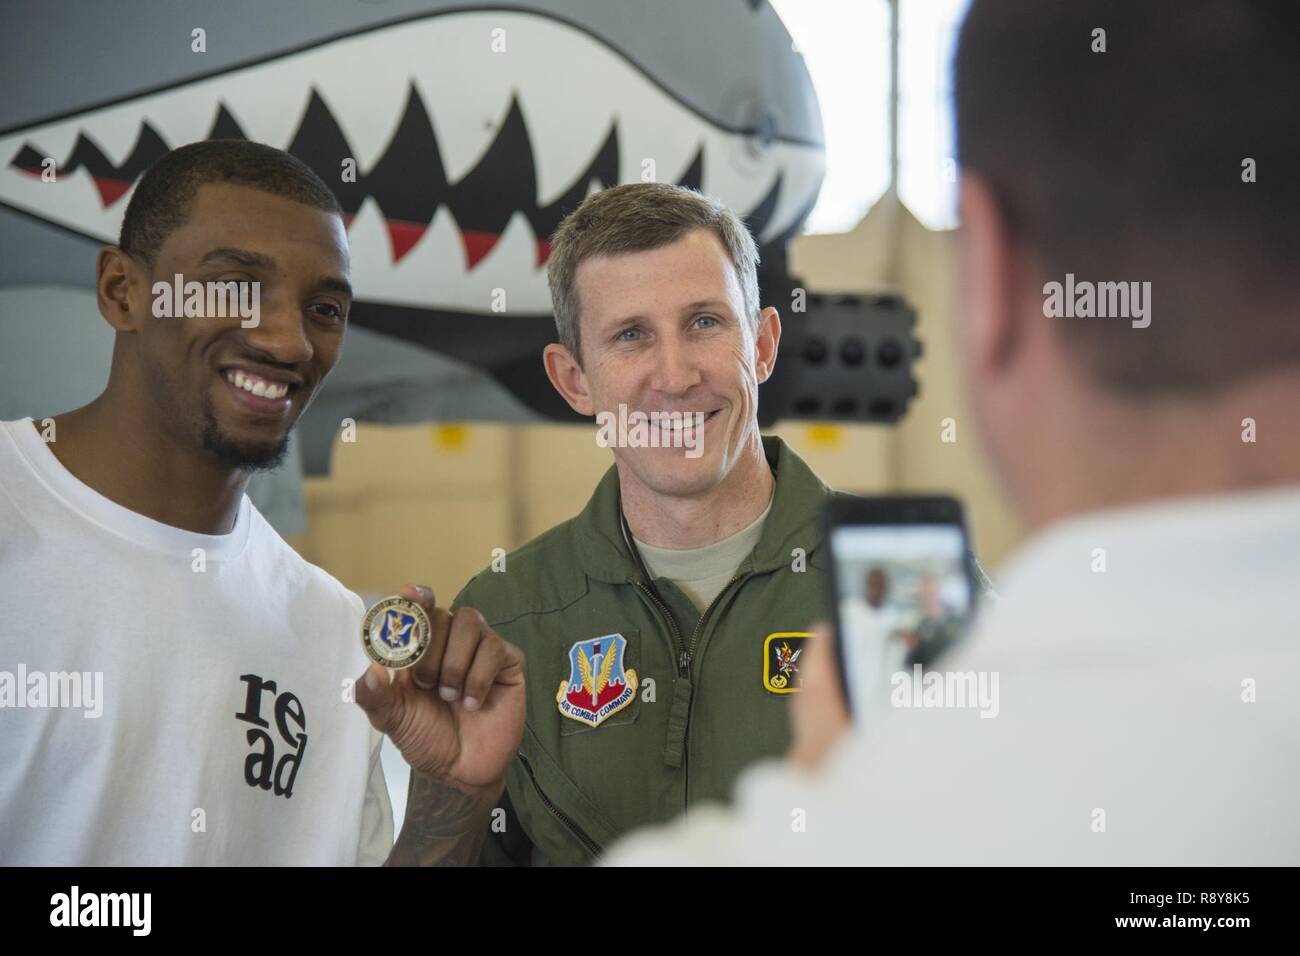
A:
[(279, 330), (675, 366)]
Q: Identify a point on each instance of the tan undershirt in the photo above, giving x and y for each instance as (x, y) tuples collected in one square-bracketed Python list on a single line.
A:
[(702, 573)]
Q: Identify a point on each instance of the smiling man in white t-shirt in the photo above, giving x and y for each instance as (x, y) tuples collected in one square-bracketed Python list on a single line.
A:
[(171, 672), (176, 683)]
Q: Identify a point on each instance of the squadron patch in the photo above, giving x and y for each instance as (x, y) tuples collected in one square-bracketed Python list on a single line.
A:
[(598, 685), (781, 661)]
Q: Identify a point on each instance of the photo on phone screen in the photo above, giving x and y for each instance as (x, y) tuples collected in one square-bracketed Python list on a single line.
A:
[(903, 595)]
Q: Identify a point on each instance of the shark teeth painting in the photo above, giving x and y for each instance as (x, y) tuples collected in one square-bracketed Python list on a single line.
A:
[(465, 155)]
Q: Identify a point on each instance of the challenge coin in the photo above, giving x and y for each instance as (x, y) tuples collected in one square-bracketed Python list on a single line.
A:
[(395, 632)]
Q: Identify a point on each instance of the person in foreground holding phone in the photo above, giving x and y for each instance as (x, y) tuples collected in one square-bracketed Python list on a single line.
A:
[(1146, 637)]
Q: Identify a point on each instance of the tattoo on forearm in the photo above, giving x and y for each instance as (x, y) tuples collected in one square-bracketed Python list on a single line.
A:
[(444, 826)]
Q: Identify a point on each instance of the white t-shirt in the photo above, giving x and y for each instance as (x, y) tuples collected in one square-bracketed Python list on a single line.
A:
[(1145, 713), (172, 698)]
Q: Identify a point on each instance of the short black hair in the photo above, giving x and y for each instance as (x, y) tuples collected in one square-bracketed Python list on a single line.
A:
[(162, 199), (1127, 165)]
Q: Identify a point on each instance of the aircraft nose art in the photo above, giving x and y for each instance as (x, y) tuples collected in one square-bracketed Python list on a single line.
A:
[(453, 156)]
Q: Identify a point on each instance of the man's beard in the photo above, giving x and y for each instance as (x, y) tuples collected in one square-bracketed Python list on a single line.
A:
[(244, 457)]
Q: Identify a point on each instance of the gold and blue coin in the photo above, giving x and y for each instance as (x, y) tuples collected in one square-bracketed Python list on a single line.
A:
[(395, 632)]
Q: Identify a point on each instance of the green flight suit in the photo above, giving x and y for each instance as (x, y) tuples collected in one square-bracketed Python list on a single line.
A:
[(706, 702)]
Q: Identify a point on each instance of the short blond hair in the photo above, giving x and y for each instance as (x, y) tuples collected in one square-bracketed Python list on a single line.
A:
[(638, 217)]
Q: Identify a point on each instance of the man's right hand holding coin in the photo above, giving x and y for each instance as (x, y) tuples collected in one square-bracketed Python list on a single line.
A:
[(457, 717)]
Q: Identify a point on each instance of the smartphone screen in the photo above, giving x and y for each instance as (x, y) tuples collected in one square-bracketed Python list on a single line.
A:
[(903, 595)]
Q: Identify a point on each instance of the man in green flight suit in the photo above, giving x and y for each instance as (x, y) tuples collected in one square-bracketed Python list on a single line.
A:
[(663, 624)]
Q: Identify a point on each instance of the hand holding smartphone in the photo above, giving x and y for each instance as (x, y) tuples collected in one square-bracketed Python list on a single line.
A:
[(901, 589)]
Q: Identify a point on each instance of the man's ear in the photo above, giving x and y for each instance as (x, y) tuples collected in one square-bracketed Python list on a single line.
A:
[(992, 323), (119, 285), (568, 378), (767, 344)]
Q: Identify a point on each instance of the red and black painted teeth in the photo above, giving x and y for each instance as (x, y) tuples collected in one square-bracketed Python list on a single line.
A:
[(112, 181), (408, 183)]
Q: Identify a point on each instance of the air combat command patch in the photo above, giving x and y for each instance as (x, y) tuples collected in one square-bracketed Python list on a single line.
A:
[(781, 664), (598, 685)]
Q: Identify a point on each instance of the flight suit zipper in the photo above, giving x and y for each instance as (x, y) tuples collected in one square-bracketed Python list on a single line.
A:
[(687, 658), (590, 845), (699, 625), (683, 658), (683, 670), (686, 650)]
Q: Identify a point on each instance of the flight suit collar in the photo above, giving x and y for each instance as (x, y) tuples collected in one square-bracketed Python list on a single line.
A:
[(794, 521)]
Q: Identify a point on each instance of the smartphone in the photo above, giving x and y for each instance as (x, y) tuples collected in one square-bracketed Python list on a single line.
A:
[(901, 588)]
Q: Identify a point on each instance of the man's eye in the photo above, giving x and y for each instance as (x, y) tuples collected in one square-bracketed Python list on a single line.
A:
[(712, 320), (628, 335), (327, 309)]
